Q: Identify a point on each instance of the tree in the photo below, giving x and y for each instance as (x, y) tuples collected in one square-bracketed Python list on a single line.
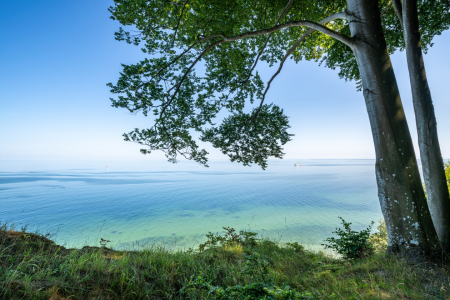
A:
[(430, 152), (230, 38)]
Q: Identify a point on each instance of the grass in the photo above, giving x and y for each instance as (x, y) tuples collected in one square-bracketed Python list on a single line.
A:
[(34, 267)]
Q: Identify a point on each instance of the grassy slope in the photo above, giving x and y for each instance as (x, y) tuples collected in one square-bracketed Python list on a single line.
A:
[(33, 267)]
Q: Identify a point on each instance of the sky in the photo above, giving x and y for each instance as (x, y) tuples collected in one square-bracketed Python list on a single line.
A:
[(57, 56)]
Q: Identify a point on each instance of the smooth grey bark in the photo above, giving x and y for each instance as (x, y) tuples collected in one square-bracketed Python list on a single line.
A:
[(408, 221), (430, 152), (398, 10)]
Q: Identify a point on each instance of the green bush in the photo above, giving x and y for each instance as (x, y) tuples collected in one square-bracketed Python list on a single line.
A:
[(256, 266), (351, 244), (245, 238), (296, 246), (379, 240), (262, 287)]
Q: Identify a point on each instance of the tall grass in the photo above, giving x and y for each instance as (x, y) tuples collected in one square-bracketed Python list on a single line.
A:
[(34, 267)]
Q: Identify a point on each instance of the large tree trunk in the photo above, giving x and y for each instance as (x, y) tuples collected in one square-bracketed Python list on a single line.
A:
[(430, 152), (408, 221)]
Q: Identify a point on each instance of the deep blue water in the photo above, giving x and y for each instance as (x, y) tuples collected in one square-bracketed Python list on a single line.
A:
[(142, 203)]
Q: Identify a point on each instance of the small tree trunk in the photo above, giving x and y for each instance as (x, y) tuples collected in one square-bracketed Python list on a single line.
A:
[(430, 152), (408, 221)]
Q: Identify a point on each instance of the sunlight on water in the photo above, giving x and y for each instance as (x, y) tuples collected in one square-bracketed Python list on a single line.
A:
[(143, 203)]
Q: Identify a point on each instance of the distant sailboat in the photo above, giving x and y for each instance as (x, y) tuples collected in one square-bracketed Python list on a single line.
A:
[(297, 165)]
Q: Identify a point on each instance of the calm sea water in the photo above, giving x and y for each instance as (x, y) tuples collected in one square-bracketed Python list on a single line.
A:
[(137, 204)]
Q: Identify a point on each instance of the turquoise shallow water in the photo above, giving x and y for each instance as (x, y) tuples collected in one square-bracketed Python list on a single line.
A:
[(143, 203)]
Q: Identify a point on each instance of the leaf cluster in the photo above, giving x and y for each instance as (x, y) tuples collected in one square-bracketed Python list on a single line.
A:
[(214, 240), (351, 244), (261, 288), (379, 239)]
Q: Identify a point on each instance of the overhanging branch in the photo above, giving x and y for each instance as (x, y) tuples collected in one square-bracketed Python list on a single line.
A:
[(267, 41), (313, 25), (341, 15), (316, 26)]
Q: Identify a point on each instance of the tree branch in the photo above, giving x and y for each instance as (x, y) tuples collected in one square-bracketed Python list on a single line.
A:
[(137, 94), (313, 25), (188, 49), (316, 26), (341, 15), (179, 20), (267, 40)]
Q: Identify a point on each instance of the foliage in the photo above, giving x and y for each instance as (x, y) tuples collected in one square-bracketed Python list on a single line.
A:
[(261, 288), (256, 267), (202, 58), (379, 239), (34, 267), (296, 246), (253, 291), (230, 237), (351, 244), (245, 140)]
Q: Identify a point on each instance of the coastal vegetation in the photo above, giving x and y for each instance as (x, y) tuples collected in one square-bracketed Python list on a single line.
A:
[(227, 266), (203, 57)]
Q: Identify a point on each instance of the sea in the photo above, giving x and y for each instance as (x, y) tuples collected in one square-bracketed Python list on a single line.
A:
[(144, 204)]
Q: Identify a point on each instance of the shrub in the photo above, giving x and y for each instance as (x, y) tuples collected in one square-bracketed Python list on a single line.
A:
[(246, 238), (296, 246), (379, 240), (351, 244), (261, 288)]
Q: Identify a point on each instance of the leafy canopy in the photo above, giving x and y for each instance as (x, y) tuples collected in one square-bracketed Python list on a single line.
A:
[(202, 57)]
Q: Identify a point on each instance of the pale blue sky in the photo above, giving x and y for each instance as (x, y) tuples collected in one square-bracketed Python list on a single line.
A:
[(57, 56)]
